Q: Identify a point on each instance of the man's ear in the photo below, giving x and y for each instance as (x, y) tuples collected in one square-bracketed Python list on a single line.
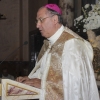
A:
[(55, 19)]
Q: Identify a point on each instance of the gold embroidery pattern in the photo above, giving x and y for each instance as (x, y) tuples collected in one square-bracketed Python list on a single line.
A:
[(54, 85)]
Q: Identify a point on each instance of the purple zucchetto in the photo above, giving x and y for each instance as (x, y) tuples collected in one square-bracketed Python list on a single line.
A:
[(54, 7)]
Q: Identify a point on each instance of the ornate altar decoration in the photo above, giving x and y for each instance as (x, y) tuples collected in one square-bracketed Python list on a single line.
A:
[(89, 24), (94, 39)]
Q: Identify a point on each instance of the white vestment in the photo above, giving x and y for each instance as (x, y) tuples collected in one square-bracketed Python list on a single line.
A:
[(78, 76)]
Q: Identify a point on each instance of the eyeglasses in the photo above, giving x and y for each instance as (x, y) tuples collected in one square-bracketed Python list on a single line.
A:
[(42, 19)]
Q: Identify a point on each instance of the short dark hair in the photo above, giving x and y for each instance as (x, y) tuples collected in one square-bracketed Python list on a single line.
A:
[(60, 19)]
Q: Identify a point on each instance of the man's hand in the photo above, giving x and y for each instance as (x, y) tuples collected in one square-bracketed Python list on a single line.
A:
[(22, 79), (33, 82)]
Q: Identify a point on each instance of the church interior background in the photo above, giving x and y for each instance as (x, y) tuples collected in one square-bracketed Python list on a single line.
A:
[(20, 41)]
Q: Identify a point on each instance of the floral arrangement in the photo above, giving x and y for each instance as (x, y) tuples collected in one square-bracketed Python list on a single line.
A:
[(89, 20)]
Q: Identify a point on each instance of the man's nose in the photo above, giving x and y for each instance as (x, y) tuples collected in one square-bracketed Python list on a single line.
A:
[(38, 24)]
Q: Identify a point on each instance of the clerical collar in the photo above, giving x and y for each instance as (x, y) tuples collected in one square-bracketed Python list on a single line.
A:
[(53, 38)]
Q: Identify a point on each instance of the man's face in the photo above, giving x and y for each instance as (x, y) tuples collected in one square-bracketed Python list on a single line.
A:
[(45, 23)]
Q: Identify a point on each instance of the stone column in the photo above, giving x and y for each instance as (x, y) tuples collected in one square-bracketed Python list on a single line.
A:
[(77, 8), (67, 7)]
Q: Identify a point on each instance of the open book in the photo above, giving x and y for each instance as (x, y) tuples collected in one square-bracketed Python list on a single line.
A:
[(12, 90)]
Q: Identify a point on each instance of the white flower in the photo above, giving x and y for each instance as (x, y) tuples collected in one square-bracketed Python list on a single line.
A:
[(93, 7), (79, 18), (84, 20), (95, 13), (84, 30), (87, 6), (90, 13), (90, 18)]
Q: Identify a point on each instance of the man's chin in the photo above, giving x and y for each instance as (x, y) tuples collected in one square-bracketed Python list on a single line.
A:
[(42, 34)]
